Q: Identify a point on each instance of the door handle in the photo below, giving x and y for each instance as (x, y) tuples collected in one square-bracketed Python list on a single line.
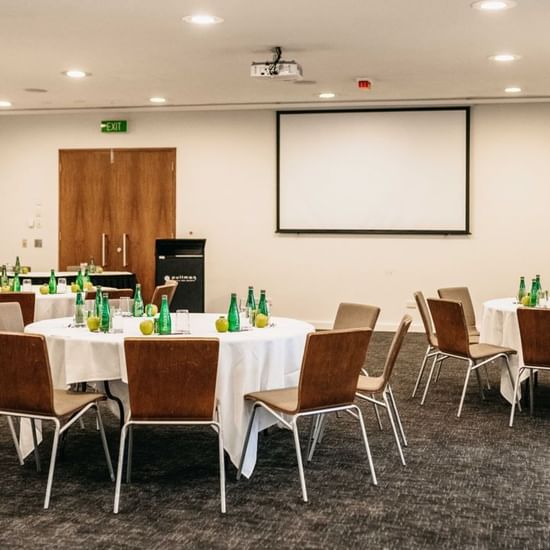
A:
[(124, 250), (104, 249)]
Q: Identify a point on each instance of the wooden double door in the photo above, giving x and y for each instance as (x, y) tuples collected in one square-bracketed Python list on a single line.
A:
[(113, 205)]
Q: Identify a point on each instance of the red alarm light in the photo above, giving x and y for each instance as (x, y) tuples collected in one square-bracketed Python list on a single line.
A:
[(364, 84)]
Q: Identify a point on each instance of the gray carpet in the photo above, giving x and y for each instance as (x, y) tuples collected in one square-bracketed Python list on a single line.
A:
[(469, 482)]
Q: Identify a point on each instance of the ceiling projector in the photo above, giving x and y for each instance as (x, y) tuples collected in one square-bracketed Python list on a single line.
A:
[(276, 69)]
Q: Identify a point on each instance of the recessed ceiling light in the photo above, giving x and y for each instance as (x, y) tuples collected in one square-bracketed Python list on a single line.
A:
[(504, 57), (157, 99), (4, 103), (76, 73), (202, 19), (326, 95), (494, 5), (512, 90)]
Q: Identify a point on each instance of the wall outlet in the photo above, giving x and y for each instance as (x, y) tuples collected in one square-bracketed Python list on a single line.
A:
[(410, 304), (37, 243), (24, 243)]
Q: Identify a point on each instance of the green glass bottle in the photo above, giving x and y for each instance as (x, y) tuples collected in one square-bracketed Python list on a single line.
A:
[(539, 286), (52, 284), (522, 291), (79, 315), (165, 321), (138, 308), (233, 315), (4, 281), (105, 323), (250, 300), (534, 293), (17, 268), (86, 276), (262, 304), (92, 265), (98, 302), (80, 280), (16, 283)]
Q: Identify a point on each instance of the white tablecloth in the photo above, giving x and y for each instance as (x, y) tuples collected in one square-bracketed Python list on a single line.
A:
[(249, 361), (53, 306), (500, 327)]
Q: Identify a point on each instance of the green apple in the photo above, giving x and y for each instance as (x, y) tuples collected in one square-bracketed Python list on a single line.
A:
[(222, 324), (93, 323), (147, 327), (261, 320), (44, 289)]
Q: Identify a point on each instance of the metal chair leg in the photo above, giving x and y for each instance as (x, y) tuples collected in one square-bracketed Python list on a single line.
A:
[(439, 364), (246, 439), (429, 380), (531, 393), (119, 467), (377, 414), (320, 421), (514, 399), (104, 443), (35, 443), (15, 440), (421, 371), (394, 428), (397, 417), (299, 458), (130, 454), (487, 377), (470, 364), (366, 442), (52, 464), (222, 461), (480, 384)]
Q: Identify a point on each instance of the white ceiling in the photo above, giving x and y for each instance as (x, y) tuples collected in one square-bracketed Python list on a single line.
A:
[(412, 49)]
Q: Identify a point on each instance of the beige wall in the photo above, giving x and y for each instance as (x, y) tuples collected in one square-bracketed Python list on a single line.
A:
[(226, 193)]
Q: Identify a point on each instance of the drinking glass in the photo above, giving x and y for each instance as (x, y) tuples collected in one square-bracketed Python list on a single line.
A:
[(27, 285), (61, 285), (117, 321), (90, 308), (125, 306), (183, 321), (244, 315)]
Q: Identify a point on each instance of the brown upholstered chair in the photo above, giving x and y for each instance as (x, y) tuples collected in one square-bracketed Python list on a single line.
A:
[(113, 293), (534, 329), (25, 299), (328, 379), (453, 340), (169, 289), (11, 318), (356, 316), (171, 382), (26, 391), (462, 294)]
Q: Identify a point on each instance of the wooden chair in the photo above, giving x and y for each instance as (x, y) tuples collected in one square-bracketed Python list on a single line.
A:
[(462, 294), (11, 318), (26, 391), (171, 382), (114, 293), (169, 289), (355, 316), (328, 379), (25, 299), (534, 329), (381, 384), (453, 341)]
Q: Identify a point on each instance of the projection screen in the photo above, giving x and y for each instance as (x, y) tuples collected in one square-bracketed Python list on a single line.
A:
[(373, 171)]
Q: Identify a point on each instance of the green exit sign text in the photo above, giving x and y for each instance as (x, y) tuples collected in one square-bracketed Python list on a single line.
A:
[(113, 126)]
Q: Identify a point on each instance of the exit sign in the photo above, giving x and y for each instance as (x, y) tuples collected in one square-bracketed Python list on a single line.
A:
[(113, 126)]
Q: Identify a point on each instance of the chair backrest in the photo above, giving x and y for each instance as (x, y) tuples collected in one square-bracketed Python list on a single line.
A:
[(534, 329), (460, 294), (356, 316), (426, 318), (25, 378), (25, 299), (395, 347), (169, 289), (172, 378), (330, 367), (114, 293), (11, 318), (450, 326)]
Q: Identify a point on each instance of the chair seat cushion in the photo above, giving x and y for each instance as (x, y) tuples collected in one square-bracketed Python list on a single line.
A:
[(370, 384), (483, 351), (65, 403), (284, 399)]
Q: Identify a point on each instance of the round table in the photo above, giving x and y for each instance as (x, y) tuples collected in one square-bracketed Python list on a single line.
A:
[(53, 306), (252, 360), (500, 326)]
